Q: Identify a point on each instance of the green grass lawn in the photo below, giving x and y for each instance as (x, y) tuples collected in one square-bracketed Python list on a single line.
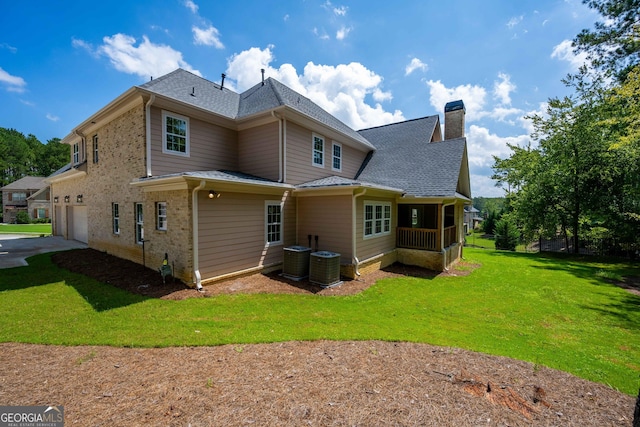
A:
[(555, 311), (25, 229)]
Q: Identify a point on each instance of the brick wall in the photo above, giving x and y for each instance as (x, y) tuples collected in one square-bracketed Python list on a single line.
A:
[(122, 159)]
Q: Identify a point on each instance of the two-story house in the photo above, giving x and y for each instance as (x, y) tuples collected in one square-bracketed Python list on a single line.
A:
[(223, 181), (29, 194)]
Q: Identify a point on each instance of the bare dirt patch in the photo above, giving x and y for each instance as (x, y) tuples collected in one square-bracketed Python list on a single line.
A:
[(293, 383), (137, 279)]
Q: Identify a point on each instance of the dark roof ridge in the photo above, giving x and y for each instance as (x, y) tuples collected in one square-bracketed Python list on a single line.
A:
[(397, 123)]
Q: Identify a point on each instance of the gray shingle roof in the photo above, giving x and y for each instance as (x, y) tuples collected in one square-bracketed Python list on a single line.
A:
[(26, 183), (219, 175), (406, 159), (197, 91), (338, 181)]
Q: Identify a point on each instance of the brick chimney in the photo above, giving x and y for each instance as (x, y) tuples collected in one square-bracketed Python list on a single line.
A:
[(454, 113)]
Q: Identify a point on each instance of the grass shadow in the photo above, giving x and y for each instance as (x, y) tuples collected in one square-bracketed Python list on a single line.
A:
[(42, 271)]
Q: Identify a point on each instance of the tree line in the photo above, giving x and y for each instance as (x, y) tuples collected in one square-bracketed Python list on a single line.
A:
[(22, 155), (580, 178)]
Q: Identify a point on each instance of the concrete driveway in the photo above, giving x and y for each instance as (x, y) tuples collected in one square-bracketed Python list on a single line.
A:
[(15, 248)]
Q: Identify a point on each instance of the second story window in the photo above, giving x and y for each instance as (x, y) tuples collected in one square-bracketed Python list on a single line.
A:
[(175, 134), (336, 162), (76, 153), (318, 151), (95, 148)]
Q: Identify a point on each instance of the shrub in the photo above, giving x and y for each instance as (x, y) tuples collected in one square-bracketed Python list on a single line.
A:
[(507, 235), (22, 217)]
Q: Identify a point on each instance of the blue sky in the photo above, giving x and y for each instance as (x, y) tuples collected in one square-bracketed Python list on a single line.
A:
[(367, 62)]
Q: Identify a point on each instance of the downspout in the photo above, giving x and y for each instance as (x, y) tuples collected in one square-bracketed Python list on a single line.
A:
[(284, 149), (356, 261), (194, 211), (280, 174), (147, 109)]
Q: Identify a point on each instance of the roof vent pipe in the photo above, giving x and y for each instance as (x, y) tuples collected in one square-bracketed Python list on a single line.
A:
[(262, 71), (222, 83)]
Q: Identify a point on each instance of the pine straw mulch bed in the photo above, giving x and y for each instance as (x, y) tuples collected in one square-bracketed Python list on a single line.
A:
[(320, 383)]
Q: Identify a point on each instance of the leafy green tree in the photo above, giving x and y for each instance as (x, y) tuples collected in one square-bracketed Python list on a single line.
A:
[(613, 46)]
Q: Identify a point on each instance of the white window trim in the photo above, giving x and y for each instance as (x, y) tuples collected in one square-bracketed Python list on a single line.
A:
[(374, 219), (268, 203), (161, 220), (95, 148), (313, 150), (139, 222), (333, 156), (76, 153), (187, 148), (115, 218)]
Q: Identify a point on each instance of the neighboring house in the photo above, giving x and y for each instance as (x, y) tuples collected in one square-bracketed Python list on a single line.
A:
[(222, 182), (29, 194), (471, 218)]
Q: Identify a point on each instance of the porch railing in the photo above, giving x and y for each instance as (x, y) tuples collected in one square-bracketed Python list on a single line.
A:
[(449, 236), (424, 238), (417, 238)]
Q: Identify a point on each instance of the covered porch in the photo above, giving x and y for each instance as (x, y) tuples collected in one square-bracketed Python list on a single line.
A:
[(429, 234)]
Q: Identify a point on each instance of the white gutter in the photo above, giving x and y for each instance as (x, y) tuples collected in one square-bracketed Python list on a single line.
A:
[(356, 261), (147, 109), (194, 210)]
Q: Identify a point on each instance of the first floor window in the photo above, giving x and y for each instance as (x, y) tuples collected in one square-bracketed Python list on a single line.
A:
[(139, 223), (41, 213), (175, 134), (318, 151), (377, 218), (273, 223), (115, 217), (161, 214)]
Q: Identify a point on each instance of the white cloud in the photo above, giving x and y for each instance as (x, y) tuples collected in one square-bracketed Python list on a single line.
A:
[(28, 103), (472, 96), (8, 47), (286, 17), (501, 113), (342, 33), (52, 117), (503, 88), (482, 145), (12, 83), (146, 60), (207, 36), (564, 52), (415, 64), (322, 35), (514, 21), (341, 90), (337, 10), (191, 6)]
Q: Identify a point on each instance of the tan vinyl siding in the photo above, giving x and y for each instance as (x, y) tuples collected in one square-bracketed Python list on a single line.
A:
[(211, 147), (232, 233), (372, 246), (328, 217), (258, 151), (299, 165)]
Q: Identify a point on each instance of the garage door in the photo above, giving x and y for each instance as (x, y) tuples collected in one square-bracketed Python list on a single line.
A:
[(78, 226)]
